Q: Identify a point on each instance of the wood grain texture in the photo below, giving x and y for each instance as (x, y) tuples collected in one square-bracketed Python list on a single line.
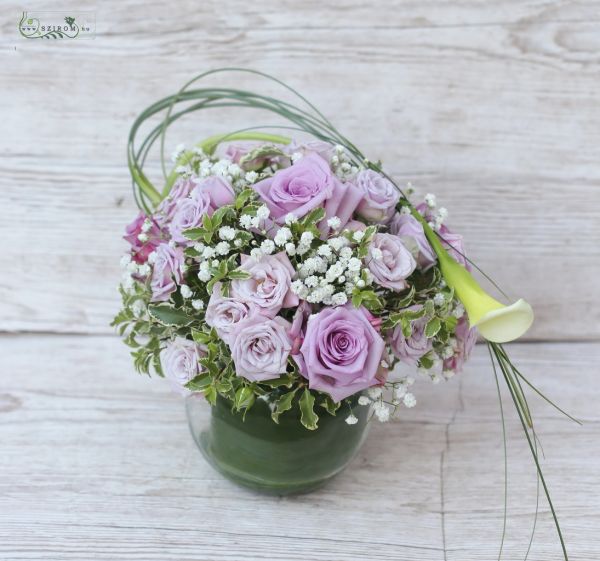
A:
[(97, 463), (494, 107)]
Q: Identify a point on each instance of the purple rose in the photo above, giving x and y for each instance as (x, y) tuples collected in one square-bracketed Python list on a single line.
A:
[(412, 348), (452, 242), (341, 352), (306, 185), (166, 272), (188, 213), (342, 203), (356, 226), (235, 151), (301, 314), (260, 350), (298, 189), (166, 209), (454, 245), (208, 195), (390, 261), (320, 147), (179, 362), (268, 287), (134, 229), (410, 231), (465, 341), (224, 313), (141, 249), (380, 197)]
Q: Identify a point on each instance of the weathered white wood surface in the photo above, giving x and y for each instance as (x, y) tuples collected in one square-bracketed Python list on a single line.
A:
[(493, 106), (97, 463)]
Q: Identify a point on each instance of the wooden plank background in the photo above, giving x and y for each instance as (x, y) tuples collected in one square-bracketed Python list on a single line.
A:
[(493, 106), (97, 463)]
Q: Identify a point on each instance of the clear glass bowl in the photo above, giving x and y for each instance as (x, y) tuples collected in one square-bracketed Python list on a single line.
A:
[(278, 459)]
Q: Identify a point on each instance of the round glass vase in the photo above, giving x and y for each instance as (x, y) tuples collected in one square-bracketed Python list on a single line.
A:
[(278, 459)]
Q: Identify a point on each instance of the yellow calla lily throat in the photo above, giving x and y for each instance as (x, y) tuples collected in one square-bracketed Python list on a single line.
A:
[(495, 321)]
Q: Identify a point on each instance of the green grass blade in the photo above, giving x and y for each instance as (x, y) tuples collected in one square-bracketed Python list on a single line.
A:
[(507, 375), (505, 454), (539, 392)]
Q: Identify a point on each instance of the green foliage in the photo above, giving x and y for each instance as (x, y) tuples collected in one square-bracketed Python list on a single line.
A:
[(404, 300), (426, 361), (138, 332), (217, 366), (329, 405), (210, 224), (203, 337), (368, 298), (238, 274), (427, 282), (244, 197), (429, 307), (284, 403), (404, 318), (226, 271), (313, 217), (146, 356), (257, 158), (210, 394), (285, 380), (308, 223), (432, 327), (199, 383), (169, 316), (199, 233), (308, 417), (363, 247), (244, 398)]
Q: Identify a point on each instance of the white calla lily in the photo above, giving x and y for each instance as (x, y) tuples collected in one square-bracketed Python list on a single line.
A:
[(495, 321), (507, 323)]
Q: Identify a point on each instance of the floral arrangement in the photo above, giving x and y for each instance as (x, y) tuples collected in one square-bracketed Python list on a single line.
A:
[(299, 273), (282, 272)]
